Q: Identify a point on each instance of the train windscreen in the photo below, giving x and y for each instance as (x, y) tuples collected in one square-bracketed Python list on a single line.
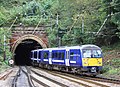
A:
[(92, 53)]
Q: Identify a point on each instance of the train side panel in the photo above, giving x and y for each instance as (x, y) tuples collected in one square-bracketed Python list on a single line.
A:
[(58, 57), (75, 57)]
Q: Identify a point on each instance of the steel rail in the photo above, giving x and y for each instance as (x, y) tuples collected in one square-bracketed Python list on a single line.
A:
[(63, 85), (29, 76), (102, 79), (36, 80), (55, 74), (15, 79), (83, 77)]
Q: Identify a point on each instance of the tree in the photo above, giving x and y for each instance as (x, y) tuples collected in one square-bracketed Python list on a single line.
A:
[(4, 43), (110, 32)]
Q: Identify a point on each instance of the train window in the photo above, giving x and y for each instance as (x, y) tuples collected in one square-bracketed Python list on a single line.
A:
[(71, 55), (58, 55), (87, 53), (53, 55), (96, 53), (62, 55), (45, 55), (91, 54), (35, 54), (39, 55)]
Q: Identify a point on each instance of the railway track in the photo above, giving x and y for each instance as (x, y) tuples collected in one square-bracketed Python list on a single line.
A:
[(82, 80), (102, 79), (46, 81), (22, 78), (15, 79), (56, 82), (27, 78)]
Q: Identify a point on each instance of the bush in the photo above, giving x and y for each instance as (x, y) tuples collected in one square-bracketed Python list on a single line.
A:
[(105, 69), (114, 71), (115, 63)]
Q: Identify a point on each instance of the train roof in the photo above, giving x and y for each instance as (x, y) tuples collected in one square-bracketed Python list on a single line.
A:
[(88, 46)]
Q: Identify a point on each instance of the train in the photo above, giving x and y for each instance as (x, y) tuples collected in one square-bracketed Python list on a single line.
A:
[(83, 59)]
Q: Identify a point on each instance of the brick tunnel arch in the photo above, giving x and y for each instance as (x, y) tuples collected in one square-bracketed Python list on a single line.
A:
[(21, 45)]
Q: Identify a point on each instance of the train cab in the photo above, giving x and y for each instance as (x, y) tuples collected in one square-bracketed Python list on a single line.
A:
[(92, 58)]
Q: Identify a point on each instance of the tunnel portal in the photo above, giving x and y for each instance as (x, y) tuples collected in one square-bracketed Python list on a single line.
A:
[(22, 52)]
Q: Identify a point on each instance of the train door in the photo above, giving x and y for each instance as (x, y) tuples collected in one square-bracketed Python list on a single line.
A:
[(50, 56), (45, 55), (39, 56), (31, 55), (67, 58), (75, 57)]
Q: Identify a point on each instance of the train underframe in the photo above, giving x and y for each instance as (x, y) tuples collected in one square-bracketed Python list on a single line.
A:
[(87, 70)]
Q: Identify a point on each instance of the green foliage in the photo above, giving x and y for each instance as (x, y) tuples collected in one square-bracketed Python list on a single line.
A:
[(111, 60), (72, 15), (106, 68), (4, 32), (3, 66), (115, 62), (52, 37), (111, 29), (112, 67), (109, 71), (32, 21)]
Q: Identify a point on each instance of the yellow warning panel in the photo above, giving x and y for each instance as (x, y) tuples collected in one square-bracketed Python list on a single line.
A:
[(92, 61)]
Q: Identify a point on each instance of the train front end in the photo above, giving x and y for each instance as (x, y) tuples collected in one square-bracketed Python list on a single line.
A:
[(92, 59)]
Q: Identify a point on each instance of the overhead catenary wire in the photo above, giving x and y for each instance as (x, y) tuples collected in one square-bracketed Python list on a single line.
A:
[(73, 24), (13, 23), (111, 5), (37, 25), (105, 22)]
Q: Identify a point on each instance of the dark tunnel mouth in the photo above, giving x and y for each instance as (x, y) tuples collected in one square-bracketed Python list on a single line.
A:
[(22, 52)]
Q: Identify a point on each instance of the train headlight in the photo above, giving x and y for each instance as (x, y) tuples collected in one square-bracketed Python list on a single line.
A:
[(93, 69)]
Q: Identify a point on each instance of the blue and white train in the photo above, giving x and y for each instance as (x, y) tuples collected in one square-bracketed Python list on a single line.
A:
[(85, 59)]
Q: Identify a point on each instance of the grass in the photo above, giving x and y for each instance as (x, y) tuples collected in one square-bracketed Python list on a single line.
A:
[(3, 65), (113, 73)]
